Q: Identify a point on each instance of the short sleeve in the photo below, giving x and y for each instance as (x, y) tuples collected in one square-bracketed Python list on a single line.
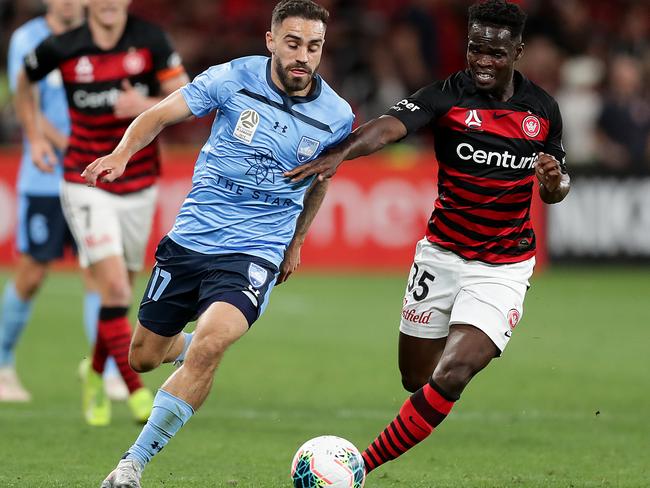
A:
[(42, 60), (343, 132), (420, 109), (166, 61), (553, 144), (207, 92)]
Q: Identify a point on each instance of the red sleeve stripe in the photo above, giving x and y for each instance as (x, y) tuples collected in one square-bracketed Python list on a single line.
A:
[(511, 124), (107, 67), (169, 73)]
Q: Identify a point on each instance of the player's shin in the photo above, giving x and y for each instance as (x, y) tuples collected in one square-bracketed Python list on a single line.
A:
[(14, 317), (419, 416), (168, 415)]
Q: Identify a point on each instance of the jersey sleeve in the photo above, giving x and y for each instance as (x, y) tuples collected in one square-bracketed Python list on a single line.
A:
[(44, 59), (208, 91), (553, 144), (166, 61), (420, 109), (15, 58)]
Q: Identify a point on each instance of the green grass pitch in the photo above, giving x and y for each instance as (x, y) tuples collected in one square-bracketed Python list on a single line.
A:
[(567, 406)]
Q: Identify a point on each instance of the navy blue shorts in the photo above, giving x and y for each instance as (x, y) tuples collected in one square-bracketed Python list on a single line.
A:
[(42, 231), (185, 283)]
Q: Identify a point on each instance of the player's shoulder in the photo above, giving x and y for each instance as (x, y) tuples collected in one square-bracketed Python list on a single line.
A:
[(336, 104), (535, 93), (34, 27), (240, 70)]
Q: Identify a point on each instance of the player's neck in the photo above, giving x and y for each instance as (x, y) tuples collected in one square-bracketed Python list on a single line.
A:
[(278, 83), (59, 25), (106, 37)]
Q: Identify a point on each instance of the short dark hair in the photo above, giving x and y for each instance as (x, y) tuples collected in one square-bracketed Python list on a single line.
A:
[(498, 13), (304, 9)]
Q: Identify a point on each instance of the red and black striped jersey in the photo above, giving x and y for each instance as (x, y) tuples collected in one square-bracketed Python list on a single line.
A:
[(93, 78), (486, 150)]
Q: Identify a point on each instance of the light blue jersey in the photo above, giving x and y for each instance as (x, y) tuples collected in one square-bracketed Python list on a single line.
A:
[(240, 202), (54, 105)]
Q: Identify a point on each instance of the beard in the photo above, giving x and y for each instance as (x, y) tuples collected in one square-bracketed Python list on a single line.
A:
[(289, 83)]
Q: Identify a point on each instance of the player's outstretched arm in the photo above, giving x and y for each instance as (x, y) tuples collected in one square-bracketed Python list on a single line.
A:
[(313, 200), (141, 132), (26, 103), (364, 140), (554, 185)]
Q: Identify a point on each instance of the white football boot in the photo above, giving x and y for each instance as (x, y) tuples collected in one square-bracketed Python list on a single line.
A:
[(126, 475), (11, 390)]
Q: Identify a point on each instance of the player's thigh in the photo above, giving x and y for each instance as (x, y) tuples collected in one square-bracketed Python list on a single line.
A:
[(136, 212), (492, 299), (418, 358), (94, 222), (430, 290)]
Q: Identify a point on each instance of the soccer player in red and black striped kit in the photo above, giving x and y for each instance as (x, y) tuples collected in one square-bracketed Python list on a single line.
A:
[(496, 134), (113, 68)]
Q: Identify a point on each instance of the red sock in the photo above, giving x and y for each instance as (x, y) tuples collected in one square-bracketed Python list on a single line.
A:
[(114, 338), (420, 414)]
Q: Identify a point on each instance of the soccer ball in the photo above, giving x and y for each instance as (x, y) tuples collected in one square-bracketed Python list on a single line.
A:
[(328, 461)]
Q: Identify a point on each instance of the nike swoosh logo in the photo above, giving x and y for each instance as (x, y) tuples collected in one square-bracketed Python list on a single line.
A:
[(497, 116), (412, 420)]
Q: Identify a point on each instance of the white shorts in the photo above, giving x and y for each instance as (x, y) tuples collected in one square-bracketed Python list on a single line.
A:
[(445, 289), (105, 224)]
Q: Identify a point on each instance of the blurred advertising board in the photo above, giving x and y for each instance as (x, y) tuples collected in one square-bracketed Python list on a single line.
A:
[(375, 211), (604, 219)]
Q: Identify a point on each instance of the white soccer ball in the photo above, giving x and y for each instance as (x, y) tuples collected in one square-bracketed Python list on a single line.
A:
[(328, 461)]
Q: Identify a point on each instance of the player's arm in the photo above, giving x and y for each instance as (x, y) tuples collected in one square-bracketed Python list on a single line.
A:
[(139, 134), (366, 139), (313, 200), (131, 102), (26, 104), (554, 185)]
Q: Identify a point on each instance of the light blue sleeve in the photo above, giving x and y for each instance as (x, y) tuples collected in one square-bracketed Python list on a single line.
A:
[(343, 132), (209, 90), (18, 48)]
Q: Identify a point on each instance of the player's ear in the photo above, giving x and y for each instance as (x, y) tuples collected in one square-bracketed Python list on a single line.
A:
[(519, 51), (270, 43)]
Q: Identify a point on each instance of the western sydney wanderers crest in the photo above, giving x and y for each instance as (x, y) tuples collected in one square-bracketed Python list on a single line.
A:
[(247, 124), (307, 147), (134, 62), (531, 126), (513, 317)]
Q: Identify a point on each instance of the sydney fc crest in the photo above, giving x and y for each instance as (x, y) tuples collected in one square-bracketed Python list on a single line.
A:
[(256, 275), (307, 147)]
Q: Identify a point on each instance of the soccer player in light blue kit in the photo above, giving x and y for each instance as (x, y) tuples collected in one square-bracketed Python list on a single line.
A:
[(42, 232), (242, 225)]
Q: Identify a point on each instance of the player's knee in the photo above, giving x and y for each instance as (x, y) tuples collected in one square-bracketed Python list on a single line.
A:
[(140, 361), (117, 291), (413, 382), (453, 375), (205, 354)]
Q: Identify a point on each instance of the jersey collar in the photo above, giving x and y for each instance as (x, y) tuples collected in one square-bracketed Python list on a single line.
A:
[(289, 101)]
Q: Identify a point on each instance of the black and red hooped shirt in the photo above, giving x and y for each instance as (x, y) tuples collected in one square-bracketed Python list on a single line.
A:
[(93, 79), (485, 150)]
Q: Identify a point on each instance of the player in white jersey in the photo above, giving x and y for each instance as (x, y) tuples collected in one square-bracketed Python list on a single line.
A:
[(42, 232), (243, 223)]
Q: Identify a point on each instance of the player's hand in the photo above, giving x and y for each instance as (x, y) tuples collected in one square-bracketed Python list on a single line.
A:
[(106, 169), (324, 166), (290, 262), (547, 170), (130, 102), (43, 155)]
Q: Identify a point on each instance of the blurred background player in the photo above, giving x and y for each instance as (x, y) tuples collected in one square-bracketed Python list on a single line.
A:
[(113, 68), (242, 225), (43, 232), (495, 134)]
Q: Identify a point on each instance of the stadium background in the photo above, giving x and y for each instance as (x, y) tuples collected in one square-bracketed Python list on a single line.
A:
[(585, 331)]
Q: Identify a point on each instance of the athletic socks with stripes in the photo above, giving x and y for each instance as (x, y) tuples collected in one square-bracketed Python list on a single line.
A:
[(113, 339), (418, 417)]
